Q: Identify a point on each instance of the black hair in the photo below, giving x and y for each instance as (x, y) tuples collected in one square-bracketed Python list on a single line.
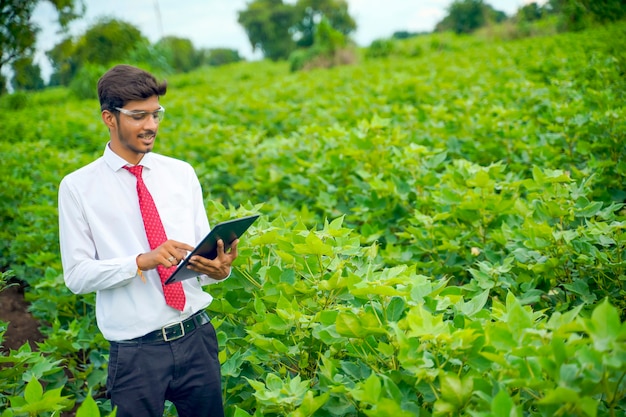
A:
[(124, 83)]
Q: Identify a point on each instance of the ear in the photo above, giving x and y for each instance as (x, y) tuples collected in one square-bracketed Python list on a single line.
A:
[(109, 119)]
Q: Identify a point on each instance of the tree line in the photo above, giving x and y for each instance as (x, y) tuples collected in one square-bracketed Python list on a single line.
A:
[(307, 33)]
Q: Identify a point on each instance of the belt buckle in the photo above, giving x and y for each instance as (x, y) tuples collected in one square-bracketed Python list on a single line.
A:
[(165, 328)]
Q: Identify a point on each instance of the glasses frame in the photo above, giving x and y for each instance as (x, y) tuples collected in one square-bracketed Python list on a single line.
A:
[(139, 116)]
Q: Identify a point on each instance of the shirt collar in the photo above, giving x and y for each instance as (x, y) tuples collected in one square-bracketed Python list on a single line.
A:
[(116, 162)]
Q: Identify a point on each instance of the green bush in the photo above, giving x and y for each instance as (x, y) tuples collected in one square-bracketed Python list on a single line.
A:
[(380, 48), (83, 84), (15, 101)]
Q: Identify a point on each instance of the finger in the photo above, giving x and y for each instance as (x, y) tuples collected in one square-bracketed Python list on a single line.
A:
[(176, 245), (233, 249), (181, 254), (220, 247), (171, 261), (200, 262)]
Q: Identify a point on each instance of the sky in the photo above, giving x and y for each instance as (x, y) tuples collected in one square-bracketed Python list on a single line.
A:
[(213, 23)]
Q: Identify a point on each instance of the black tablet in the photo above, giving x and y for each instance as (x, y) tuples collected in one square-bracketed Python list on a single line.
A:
[(228, 231)]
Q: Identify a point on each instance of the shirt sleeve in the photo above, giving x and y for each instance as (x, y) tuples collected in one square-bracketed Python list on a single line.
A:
[(83, 272)]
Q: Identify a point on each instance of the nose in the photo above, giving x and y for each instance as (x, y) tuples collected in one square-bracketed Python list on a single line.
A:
[(151, 122)]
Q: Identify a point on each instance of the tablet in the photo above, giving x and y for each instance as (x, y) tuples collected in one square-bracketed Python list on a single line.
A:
[(228, 231)]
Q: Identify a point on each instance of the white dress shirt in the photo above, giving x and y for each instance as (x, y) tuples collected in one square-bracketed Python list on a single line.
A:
[(101, 234)]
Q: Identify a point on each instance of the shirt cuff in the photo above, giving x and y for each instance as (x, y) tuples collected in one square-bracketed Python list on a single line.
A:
[(207, 280)]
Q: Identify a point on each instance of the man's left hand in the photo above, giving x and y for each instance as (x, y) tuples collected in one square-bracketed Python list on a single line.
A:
[(218, 268)]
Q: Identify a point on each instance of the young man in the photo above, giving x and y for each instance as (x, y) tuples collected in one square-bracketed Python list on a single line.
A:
[(126, 220)]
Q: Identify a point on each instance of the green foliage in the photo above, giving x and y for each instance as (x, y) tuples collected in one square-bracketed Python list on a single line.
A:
[(220, 56), (442, 231), (17, 32), (577, 15), (107, 41), (465, 16), (404, 34), (179, 53), (35, 401), (17, 101), (26, 75), (151, 58), (277, 29), (380, 48), (310, 14), (18, 35), (5, 278), (530, 12), (267, 24), (329, 49), (83, 84), (64, 62)]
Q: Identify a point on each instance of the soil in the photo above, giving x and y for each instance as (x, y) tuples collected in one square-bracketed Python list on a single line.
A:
[(22, 326)]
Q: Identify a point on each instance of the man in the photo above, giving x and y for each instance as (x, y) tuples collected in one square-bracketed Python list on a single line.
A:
[(126, 220)]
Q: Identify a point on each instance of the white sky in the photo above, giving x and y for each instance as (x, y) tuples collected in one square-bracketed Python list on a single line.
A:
[(213, 23)]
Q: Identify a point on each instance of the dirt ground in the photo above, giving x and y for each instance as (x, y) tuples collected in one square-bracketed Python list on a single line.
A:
[(22, 326)]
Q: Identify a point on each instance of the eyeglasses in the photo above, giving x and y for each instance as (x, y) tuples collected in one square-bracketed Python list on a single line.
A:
[(139, 116)]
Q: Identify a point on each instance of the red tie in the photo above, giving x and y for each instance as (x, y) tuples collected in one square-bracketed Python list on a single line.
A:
[(174, 293)]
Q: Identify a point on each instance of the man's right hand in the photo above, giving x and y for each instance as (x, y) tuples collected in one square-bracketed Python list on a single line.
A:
[(168, 254)]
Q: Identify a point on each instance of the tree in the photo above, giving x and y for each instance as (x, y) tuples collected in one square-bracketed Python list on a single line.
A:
[(107, 41), (18, 33), (180, 53), (330, 48), (530, 13), (26, 75), (64, 62), (267, 24), (310, 14), (465, 16), (277, 28), (220, 56), (578, 14)]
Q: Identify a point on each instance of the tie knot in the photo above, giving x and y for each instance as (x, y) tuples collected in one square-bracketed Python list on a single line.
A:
[(135, 170)]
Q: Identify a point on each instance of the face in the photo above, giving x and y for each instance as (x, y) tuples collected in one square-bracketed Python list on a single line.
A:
[(133, 136)]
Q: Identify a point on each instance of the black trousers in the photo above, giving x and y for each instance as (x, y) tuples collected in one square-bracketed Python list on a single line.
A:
[(185, 371)]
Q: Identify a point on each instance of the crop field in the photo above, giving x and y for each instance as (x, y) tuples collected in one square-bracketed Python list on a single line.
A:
[(442, 231)]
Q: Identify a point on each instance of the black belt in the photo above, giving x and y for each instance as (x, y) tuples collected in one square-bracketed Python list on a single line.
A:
[(173, 331)]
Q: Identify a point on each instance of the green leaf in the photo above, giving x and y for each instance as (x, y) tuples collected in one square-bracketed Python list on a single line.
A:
[(310, 404), (517, 317), (589, 406), (273, 382), (348, 324), (89, 408), (368, 391), (386, 407), (33, 391), (395, 308), (422, 323), (474, 305), (604, 326), (481, 180), (372, 388), (455, 390), (239, 412), (503, 406), (559, 395), (314, 246)]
